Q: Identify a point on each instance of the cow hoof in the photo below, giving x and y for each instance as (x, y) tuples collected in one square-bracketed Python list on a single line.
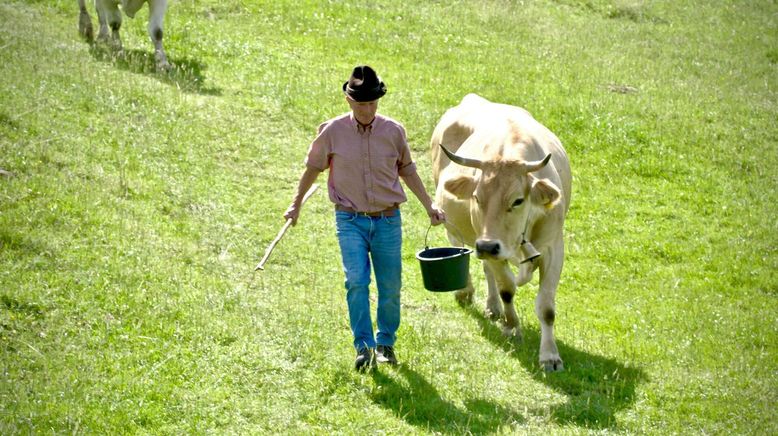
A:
[(553, 365), (464, 298), (163, 66), (492, 315), (85, 27), (115, 43), (512, 333)]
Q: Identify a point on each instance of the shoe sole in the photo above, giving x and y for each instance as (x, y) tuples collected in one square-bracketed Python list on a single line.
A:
[(385, 360)]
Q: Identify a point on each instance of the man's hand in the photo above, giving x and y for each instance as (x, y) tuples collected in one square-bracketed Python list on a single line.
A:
[(293, 212), (437, 216)]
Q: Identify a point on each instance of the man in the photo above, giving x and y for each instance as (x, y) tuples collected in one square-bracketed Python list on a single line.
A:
[(367, 154)]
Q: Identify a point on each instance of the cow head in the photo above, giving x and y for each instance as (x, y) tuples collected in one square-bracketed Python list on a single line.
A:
[(503, 196)]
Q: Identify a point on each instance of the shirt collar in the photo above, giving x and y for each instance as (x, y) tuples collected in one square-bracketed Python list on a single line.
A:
[(362, 128)]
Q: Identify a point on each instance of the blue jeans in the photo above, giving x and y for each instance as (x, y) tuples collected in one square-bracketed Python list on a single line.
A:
[(378, 240)]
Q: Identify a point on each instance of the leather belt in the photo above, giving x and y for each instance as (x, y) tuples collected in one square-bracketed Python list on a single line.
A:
[(392, 211)]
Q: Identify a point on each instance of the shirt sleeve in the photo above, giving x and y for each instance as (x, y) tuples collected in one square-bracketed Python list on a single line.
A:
[(405, 164), (319, 152)]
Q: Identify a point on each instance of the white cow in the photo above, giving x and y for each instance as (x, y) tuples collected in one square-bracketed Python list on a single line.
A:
[(109, 15), (510, 184)]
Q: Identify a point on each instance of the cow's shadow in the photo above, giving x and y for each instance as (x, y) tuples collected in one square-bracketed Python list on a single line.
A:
[(186, 74), (410, 396), (596, 387)]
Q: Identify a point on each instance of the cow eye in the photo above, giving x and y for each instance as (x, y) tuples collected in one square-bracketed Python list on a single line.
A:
[(517, 202)]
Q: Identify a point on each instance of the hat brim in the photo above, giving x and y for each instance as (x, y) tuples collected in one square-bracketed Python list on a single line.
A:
[(364, 94)]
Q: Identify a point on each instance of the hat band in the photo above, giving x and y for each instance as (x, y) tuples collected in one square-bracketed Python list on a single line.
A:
[(365, 94)]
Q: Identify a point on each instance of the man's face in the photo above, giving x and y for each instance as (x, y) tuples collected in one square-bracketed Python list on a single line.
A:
[(364, 111)]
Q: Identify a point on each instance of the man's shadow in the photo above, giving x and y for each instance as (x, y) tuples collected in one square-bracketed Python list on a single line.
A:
[(596, 387), (411, 397), (186, 74)]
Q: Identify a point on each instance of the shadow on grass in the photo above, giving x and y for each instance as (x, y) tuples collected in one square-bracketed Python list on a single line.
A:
[(416, 401), (185, 74), (596, 387)]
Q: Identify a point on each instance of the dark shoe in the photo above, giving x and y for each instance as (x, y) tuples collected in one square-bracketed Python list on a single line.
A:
[(385, 354), (365, 359)]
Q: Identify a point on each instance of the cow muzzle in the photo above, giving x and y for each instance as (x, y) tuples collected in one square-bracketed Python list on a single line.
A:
[(488, 249)]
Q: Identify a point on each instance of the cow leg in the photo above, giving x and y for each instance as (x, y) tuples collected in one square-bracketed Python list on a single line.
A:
[(505, 286), (85, 22), (545, 309), (493, 303), (156, 17), (102, 33), (464, 296), (110, 16)]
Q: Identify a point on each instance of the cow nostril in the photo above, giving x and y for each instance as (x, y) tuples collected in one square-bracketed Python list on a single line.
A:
[(488, 247)]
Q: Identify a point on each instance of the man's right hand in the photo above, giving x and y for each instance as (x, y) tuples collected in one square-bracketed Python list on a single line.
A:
[(293, 212)]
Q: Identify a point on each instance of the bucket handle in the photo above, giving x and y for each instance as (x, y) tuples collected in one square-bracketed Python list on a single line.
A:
[(458, 233)]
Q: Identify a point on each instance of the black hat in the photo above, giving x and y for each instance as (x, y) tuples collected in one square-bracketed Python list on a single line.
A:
[(364, 85)]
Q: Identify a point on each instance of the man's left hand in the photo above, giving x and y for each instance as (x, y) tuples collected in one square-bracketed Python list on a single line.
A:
[(437, 216)]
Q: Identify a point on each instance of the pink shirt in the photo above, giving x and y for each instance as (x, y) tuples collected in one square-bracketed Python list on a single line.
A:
[(365, 164)]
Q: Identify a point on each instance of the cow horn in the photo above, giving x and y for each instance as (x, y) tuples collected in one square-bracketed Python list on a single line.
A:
[(538, 164), (473, 163)]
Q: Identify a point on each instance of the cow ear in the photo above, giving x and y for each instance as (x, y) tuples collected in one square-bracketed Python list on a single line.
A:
[(544, 193), (461, 186)]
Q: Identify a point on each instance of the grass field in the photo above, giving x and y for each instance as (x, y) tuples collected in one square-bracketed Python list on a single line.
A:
[(134, 206)]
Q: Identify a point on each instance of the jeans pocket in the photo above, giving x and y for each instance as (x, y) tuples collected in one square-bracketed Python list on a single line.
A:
[(344, 217), (395, 220)]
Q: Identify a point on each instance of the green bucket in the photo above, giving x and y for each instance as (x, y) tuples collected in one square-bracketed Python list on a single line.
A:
[(444, 269)]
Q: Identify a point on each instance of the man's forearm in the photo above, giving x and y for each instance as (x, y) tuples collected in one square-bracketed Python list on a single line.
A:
[(306, 180), (414, 183)]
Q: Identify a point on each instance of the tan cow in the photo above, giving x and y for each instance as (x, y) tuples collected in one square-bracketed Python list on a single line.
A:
[(510, 184)]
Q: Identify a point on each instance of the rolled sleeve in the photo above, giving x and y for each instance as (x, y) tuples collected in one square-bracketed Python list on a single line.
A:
[(407, 169), (405, 165), (319, 152)]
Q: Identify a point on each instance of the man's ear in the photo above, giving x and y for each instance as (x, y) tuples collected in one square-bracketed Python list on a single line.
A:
[(544, 193), (461, 186)]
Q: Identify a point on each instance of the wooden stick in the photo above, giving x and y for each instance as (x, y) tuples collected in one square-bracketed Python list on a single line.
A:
[(261, 264)]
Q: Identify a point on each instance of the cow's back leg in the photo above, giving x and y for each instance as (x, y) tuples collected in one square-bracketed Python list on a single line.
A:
[(85, 22), (102, 22), (157, 10), (464, 296), (545, 308), (109, 15)]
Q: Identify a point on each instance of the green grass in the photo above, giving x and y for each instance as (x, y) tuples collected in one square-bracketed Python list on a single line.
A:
[(140, 203)]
